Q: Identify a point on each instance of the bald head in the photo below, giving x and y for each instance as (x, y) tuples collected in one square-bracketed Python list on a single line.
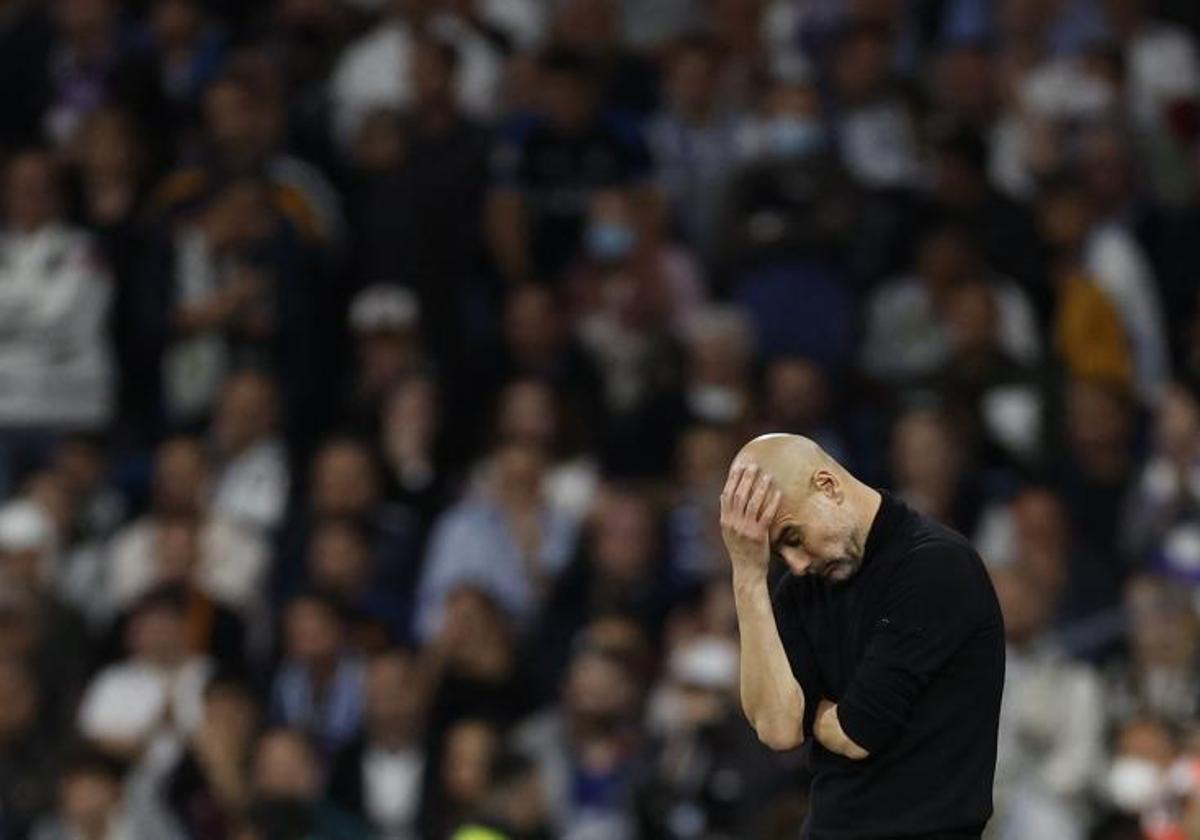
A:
[(824, 514), (791, 460)]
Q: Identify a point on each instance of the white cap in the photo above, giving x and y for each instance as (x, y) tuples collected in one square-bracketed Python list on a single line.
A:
[(709, 662), (24, 526), (384, 307)]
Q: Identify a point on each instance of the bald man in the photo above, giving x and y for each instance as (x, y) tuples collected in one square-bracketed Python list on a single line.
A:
[(882, 644)]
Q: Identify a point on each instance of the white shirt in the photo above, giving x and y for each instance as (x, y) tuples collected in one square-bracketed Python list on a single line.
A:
[(1119, 267), (230, 569), (392, 790), (252, 487), (55, 363), (128, 701), (374, 73)]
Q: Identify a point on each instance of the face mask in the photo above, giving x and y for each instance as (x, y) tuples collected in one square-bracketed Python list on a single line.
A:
[(794, 136), (1134, 784), (610, 241)]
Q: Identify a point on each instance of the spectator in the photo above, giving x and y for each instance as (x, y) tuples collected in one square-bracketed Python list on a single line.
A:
[(92, 62), (251, 480), (586, 750), (693, 542), (29, 754), (1161, 514), (537, 208), (514, 806), (209, 784), (797, 399), (414, 447), (619, 570), (1048, 751), (55, 361), (143, 707), (1136, 788), (340, 564), (1116, 265), (929, 468), (243, 114), (385, 325), (504, 538), (376, 69), (213, 627), (530, 413), (345, 483), (1159, 675), (318, 687), (472, 666), (695, 144), (285, 780), (233, 284), (57, 648), (875, 112), (94, 800), (231, 563), (909, 334), (470, 751), (701, 750), (1093, 478), (381, 773)]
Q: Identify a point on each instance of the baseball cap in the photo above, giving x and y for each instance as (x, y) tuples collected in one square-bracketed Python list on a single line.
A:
[(384, 308)]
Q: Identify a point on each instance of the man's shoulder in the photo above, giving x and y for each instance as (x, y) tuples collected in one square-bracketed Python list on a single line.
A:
[(939, 558)]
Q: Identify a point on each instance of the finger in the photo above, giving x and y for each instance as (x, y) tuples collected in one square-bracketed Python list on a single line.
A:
[(741, 496), (772, 508), (735, 475), (759, 496)]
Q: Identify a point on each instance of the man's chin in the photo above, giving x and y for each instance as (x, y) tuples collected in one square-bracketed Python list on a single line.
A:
[(839, 571)]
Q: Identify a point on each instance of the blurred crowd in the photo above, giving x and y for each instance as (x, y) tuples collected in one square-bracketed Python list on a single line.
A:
[(369, 371)]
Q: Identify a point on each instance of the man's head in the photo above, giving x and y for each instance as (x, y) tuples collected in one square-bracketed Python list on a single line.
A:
[(180, 476), (285, 766), (32, 192), (242, 113), (393, 697), (345, 481), (157, 631), (432, 72), (624, 536), (89, 790), (691, 73), (247, 412), (313, 630), (824, 514), (26, 544), (339, 557), (18, 701)]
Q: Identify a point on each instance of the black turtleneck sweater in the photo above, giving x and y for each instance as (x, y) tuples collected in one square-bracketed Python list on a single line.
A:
[(912, 650)]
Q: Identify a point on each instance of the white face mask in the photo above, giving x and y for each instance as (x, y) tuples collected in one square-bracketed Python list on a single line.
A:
[(1135, 784)]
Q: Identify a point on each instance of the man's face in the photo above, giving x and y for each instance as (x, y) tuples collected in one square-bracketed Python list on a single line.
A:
[(31, 195), (815, 535)]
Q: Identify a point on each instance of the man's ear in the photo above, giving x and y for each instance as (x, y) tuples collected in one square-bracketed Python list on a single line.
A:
[(826, 482)]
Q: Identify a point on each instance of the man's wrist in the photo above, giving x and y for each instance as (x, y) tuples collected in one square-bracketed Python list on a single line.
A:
[(749, 581)]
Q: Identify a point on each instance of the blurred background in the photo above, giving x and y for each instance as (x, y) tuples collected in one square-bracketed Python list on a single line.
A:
[(369, 371)]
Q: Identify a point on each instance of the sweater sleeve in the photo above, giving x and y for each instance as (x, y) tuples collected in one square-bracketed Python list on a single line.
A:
[(799, 649), (932, 607)]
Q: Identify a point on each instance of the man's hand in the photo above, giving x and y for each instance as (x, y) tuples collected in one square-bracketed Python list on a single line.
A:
[(748, 505), (828, 731)]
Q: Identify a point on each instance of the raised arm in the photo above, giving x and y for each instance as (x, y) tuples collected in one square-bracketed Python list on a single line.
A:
[(772, 699)]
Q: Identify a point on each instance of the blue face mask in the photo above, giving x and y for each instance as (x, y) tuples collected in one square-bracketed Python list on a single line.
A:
[(610, 241), (794, 136)]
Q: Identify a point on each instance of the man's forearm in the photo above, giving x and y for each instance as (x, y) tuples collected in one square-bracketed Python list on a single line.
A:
[(771, 697), (829, 733)]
